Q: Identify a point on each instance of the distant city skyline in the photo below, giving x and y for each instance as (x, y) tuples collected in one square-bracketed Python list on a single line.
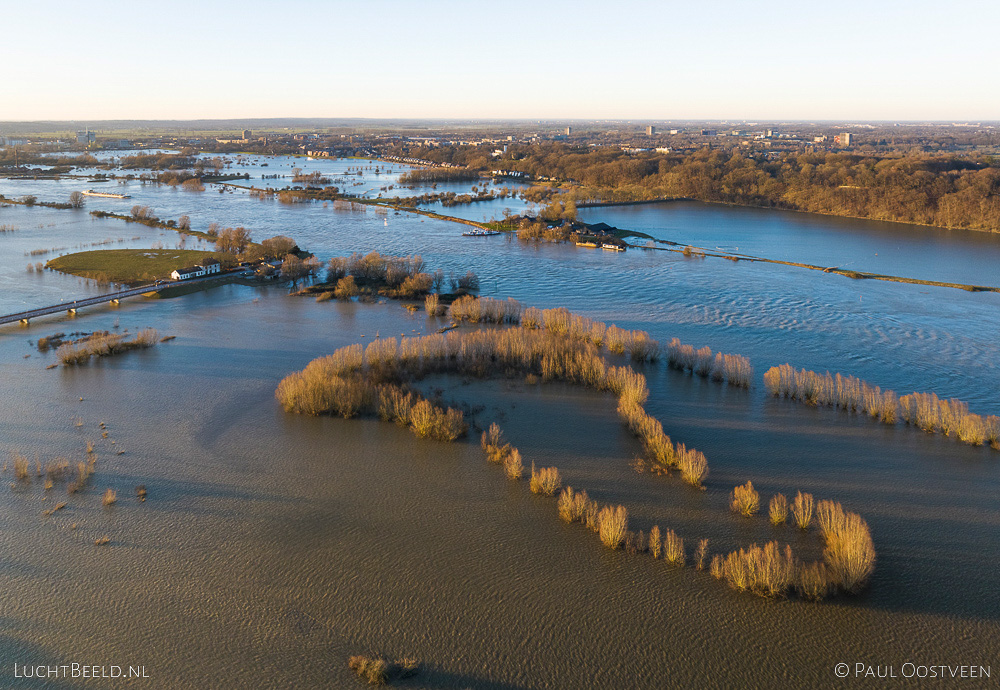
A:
[(772, 61)]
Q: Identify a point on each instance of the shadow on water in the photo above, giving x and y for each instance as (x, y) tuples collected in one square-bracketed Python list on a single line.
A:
[(435, 679), (18, 654)]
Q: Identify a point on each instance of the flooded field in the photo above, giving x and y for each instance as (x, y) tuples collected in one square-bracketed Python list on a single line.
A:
[(273, 546)]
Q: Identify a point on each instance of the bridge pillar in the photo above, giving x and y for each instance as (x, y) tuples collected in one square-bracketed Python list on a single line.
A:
[(24, 322)]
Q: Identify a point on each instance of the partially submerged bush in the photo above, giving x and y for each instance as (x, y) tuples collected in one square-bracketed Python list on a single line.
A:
[(802, 509), (378, 671), (432, 305), (745, 500), (767, 571), (777, 509), (700, 554), (850, 552), (494, 445), (812, 581), (513, 465), (545, 481), (104, 344), (673, 549), (734, 369), (346, 288), (612, 525), (924, 410), (655, 542), (693, 465)]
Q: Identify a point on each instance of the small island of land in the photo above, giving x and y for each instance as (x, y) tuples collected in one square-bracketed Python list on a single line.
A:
[(130, 266)]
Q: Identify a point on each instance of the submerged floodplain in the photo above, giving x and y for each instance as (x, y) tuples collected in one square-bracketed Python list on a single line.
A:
[(271, 546)]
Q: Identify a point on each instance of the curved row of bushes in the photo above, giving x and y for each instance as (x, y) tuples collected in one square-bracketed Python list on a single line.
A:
[(373, 380), (352, 380), (924, 410), (849, 557), (769, 570), (332, 385), (638, 345)]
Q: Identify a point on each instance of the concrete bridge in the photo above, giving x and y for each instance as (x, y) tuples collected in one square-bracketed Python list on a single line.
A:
[(70, 307)]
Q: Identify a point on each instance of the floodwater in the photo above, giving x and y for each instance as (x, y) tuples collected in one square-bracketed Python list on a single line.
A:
[(274, 546)]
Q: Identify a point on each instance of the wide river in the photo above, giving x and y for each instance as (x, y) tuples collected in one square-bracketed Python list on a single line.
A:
[(272, 546)]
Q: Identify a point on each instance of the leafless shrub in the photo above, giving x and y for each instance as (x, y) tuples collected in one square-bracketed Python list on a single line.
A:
[(673, 549), (612, 525), (813, 581), (802, 509), (432, 304), (700, 554), (494, 445), (767, 571), (777, 509), (513, 465), (545, 481), (655, 542), (745, 500)]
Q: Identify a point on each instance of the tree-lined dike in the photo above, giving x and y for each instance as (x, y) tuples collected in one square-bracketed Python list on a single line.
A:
[(144, 215)]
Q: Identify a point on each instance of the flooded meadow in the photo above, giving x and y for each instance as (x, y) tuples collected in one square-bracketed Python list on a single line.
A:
[(270, 546)]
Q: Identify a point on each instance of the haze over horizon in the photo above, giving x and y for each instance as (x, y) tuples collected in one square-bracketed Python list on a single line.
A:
[(518, 60)]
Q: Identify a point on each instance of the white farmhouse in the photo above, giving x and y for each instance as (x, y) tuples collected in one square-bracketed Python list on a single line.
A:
[(206, 268), (186, 273)]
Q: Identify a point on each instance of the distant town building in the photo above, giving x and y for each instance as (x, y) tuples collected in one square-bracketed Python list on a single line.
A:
[(844, 139), (246, 134), (663, 149), (675, 131), (569, 130), (650, 130), (820, 139), (708, 133), (86, 137)]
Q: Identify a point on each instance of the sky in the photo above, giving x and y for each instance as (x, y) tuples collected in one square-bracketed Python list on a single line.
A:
[(714, 59)]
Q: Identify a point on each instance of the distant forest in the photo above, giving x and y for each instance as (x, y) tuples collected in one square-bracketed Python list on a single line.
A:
[(944, 190)]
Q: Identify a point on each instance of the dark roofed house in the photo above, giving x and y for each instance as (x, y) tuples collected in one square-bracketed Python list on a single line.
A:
[(602, 227)]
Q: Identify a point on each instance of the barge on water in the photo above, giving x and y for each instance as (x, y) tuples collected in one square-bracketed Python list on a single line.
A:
[(107, 195), (480, 233)]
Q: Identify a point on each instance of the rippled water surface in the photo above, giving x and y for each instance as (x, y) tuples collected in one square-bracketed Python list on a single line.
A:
[(273, 546)]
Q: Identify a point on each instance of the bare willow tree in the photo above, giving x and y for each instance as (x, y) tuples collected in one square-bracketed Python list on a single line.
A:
[(233, 240), (76, 199), (277, 246), (296, 269)]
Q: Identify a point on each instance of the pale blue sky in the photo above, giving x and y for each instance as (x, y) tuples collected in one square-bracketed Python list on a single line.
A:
[(770, 59)]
